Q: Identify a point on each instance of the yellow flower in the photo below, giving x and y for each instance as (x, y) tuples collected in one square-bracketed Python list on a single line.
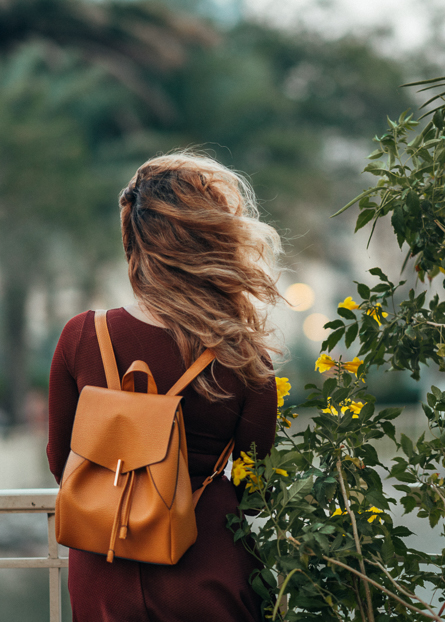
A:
[(371, 519), (283, 388), (247, 459), (239, 471), (353, 365), (376, 511), (330, 410), (348, 303), (282, 472), (338, 512), (324, 362), (254, 483), (355, 407), (373, 313), (284, 421)]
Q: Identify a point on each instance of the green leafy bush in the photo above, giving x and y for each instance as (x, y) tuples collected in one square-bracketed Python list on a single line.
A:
[(328, 543)]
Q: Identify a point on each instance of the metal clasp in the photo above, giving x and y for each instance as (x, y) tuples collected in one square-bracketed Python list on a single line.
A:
[(118, 471)]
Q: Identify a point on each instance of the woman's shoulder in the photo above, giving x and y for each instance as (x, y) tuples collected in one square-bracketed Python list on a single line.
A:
[(85, 321), (76, 324)]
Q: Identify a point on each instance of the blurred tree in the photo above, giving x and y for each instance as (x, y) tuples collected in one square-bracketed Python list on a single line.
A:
[(271, 102), (71, 133), (51, 191), (136, 42), (58, 116)]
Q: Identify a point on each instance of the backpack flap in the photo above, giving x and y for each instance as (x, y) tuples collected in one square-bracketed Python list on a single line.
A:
[(120, 425)]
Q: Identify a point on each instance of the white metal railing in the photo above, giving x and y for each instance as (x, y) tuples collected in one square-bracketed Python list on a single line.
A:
[(40, 500)]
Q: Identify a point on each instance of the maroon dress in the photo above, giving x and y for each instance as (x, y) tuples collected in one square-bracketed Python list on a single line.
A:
[(210, 582)]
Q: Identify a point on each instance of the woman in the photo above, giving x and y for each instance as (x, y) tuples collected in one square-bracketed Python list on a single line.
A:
[(197, 257)]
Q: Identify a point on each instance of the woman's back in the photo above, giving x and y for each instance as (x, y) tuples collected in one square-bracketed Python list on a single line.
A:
[(248, 415), (211, 578)]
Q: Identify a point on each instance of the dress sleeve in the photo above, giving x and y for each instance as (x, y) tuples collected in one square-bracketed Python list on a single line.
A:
[(63, 396), (257, 424), (258, 421)]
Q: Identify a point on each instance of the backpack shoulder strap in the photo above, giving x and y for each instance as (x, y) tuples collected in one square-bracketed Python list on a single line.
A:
[(106, 350), (196, 368)]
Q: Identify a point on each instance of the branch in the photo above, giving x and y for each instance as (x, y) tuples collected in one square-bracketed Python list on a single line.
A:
[(435, 488), (357, 541), (383, 589), (399, 587), (440, 225)]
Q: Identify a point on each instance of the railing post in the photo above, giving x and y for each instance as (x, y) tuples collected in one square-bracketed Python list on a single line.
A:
[(38, 501), (55, 591)]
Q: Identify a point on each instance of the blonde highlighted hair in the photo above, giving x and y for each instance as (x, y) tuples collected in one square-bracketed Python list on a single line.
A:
[(197, 257)]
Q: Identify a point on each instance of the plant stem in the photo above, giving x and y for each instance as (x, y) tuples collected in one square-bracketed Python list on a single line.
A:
[(359, 600), (435, 488), (356, 540), (383, 589)]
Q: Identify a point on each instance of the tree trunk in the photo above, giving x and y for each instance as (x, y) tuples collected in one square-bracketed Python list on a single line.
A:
[(15, 349)]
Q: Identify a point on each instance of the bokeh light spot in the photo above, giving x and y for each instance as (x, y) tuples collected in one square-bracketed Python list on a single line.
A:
[(300, 296), (313, 327)]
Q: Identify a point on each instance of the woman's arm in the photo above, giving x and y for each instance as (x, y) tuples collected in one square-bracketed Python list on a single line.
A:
[(63, 396), (257, 423)]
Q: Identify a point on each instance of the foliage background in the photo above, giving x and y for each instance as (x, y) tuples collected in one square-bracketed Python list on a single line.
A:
[(88, 90)]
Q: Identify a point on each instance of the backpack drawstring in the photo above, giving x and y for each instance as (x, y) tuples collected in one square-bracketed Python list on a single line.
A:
[(125, 511)]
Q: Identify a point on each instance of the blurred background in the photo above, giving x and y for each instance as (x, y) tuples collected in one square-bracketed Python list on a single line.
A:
[(291, 92)]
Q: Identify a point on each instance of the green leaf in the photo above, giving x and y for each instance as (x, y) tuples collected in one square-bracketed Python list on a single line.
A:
[(402, 532), (431, 400), (403, 488), (375, 154), (398, 223), (379, 273), (407, 445), (381, 287), (351, 334), (301, 487), (363, 291), (269, 577), (409, 503), (232, 519), (375, 168), (387, 551), (333, 339), (260, 588), (409, 478), (364, 217), (413, 203), (366, 412), (436, 392), (239, 533), (328, 387), (346, 313), (389, 413), (334, 324), (351, 203), (389, 430)]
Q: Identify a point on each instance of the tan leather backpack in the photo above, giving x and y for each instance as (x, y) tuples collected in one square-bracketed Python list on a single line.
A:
[(126, 489)]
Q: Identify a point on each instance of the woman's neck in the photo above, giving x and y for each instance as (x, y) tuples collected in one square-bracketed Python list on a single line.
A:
[(143, 314)]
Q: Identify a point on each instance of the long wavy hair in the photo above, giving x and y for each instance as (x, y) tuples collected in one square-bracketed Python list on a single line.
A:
[(198, 256)]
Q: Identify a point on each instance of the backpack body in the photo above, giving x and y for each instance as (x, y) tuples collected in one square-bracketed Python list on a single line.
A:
[(126, 489)]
